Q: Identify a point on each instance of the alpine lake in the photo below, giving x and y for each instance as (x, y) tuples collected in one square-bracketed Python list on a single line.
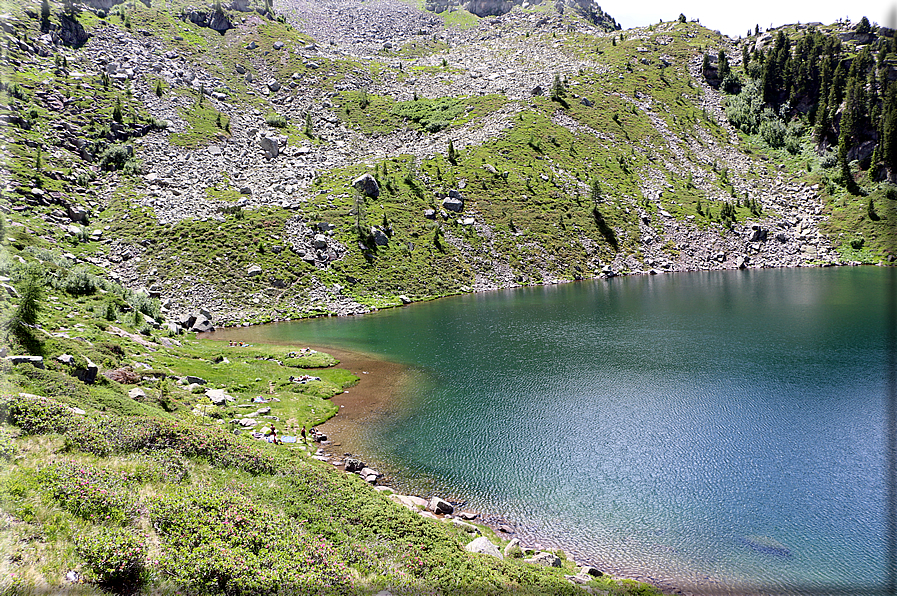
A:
[(714, 432)]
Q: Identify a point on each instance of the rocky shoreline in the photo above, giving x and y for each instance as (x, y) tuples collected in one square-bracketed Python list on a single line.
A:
[(361, 407)]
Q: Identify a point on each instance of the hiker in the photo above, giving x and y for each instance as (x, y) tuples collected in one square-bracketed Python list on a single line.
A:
[(302, 432)]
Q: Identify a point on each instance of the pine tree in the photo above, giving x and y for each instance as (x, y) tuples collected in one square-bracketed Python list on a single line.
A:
[(722, 65), (888, 140), (558, 91), (25, 315), (309, 131), (116, 110), (452, 155), (44, 10)]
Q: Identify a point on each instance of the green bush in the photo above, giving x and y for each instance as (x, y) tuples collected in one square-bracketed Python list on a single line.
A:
[(276, 120), (114, 157), (92, 494), (772, 129), (116, 557), (8, 447), (222, 542), (79, 282), (743, 109)]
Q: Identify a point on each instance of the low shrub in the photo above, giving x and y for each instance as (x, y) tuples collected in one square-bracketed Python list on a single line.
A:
[(79, 282), (94, 495), (223, 542), (276, 120), (116, 558)]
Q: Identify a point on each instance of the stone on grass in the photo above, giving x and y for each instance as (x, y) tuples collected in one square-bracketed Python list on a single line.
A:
[(367, 184), (513, 550), (483, 546), (544, 558)]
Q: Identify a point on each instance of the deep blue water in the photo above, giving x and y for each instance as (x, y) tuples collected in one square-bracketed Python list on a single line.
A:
[(668, 427)]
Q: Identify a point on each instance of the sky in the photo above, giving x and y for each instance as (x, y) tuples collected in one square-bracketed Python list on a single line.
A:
[(735, 17)]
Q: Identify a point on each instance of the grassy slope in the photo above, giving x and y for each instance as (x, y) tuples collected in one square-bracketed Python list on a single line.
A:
[(533, 218)]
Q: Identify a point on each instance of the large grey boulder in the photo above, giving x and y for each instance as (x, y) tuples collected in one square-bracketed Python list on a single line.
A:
[(483, 546), (254, 270), (354, 464), (758, 234), (71, 32), (215, 20), (36, 361), (218, 396), (440, 506), (270, 146), (89, 373), (380, 237), (367, 185), (513, 550), (202, 324), (454, 202)]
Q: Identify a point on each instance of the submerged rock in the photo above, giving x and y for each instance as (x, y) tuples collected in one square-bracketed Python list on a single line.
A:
[(765, 544)]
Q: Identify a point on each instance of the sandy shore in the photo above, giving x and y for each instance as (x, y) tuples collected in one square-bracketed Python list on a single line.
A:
[(374, 397)]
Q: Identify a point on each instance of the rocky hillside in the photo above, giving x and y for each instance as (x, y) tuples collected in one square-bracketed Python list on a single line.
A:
[(265, 162)]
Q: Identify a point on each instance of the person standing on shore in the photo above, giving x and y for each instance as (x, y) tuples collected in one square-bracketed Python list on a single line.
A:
[(303, 435)]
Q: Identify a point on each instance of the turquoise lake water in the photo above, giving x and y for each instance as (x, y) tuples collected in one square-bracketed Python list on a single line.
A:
[(718, 432)]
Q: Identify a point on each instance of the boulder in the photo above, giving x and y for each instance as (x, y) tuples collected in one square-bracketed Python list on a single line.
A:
[(71, 32), (77, 213), (198, 380), (430, 214), (136, 393), (470, 528), (513, 550), (66, 359), (273, 85), (320, 241), (202, 324), (440, 506), (254, 270), (545, 559), (354, 464), (270, 146), (218, 396), (758, 234), (453, 204), (36, 361), (215, 20), (380, 237), (89, 373), (590, 571), (740, 262), (367, 185), (186, 321), (483, 546)]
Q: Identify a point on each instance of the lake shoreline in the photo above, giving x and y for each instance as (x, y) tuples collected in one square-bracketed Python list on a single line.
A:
[(373, 397)]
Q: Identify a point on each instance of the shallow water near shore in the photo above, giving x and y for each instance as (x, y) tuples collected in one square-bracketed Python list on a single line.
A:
[(718, 432)]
